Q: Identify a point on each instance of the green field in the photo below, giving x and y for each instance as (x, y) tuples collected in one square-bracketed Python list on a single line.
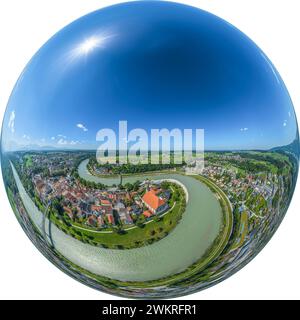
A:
[(28, 161), (243, 231)]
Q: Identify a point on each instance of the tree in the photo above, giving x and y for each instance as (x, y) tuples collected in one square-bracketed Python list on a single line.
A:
[(129, 186), (140, 222), (165, 185), (152, 233), (56, 203)]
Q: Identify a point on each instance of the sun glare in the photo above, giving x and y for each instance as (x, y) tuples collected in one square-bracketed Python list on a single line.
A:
[(89, 45), (86, 47)]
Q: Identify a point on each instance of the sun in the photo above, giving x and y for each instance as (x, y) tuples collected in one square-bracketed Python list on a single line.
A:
[(88, 45)]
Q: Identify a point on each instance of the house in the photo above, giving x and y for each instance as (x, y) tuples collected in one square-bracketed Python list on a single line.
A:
[(105, 202), (110, 219), (166, 194), (84, 206), (154, 203), (100, 221), (80, 214), (120, 207), (134, 209), (125, 218), (112, 196), (106, 206), (147, 214), (69, 212), (96, 209), (92, 221)]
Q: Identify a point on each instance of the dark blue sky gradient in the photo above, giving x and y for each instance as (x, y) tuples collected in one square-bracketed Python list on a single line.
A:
[(156, 65)]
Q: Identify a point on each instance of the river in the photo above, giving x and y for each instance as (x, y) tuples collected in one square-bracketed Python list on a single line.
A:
[(185, 245)]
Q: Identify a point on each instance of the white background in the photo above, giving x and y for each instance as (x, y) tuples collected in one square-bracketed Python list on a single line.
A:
[(25, 25)]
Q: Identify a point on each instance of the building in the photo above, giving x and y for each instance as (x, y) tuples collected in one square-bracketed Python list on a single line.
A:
[(147, 214), (100, 221), (120, 207), (69, 212), (96, 209), (125, 218), (105, 202), (92, 221), (110, 219), (154, 203), (106, 206)]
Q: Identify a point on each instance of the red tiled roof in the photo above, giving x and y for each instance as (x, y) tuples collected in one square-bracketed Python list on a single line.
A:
[(110, 218), (67, 209), (105, 203), (147, 213), (96, 208), (152, 200), (92, 220)]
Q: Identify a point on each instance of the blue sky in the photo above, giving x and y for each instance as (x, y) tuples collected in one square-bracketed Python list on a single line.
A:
[(156, 65)]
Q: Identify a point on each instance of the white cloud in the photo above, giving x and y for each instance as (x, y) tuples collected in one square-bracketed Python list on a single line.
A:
[(61, 136), (82, 127), (26, 137), (62, 142), (52, 138), (11, 121), (284, 123), (244, 129)]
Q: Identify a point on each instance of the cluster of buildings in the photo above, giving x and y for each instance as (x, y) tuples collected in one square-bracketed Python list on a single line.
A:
[(55, 163), (101, 208), (251, 192)]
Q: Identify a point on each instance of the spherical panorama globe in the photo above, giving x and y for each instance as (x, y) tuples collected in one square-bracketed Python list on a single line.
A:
[(150, 149)]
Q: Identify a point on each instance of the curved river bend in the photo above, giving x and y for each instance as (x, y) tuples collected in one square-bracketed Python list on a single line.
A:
[(185, 245)]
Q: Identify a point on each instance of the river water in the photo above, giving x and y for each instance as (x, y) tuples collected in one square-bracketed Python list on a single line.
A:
[(185, 245)]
